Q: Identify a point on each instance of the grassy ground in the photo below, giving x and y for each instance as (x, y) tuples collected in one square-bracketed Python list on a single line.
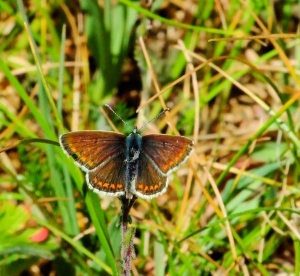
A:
[(229, 71)]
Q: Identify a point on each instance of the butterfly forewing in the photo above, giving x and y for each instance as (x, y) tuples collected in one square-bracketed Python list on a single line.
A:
[(92, 148), (166, 152), (150, 182), (109, 178)]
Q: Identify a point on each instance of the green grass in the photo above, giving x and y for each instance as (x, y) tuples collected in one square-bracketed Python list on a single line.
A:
[(233, 208)]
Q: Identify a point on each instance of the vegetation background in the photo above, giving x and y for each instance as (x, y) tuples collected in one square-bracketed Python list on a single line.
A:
[(229, 71)]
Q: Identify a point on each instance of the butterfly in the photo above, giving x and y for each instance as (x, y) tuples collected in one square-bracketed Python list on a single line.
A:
[(117, 165)]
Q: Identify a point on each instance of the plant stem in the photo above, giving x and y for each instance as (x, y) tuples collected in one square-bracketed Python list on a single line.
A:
[(127, 250)]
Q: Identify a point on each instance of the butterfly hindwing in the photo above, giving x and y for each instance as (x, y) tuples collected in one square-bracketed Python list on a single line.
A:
[(149, 182), (109, 178)]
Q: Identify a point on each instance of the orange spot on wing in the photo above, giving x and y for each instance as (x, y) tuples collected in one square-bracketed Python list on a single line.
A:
[(90, 163), (140, 186), (83, 159), (98, 182), (73, 149), (113, 187), (119, 186), (105, 185)]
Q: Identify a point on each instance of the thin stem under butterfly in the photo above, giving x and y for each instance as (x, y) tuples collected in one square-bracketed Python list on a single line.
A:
[(127, 251)]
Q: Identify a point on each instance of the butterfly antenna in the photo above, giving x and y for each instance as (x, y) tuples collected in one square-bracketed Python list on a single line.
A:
[(161, 113), (117, 115)]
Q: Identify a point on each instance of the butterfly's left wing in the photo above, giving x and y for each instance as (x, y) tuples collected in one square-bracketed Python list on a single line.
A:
[(166, 152)]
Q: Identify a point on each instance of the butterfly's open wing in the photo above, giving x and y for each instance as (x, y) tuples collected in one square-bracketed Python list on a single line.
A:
[(149, 182), (109, 178), (92, 148), (166, 152)]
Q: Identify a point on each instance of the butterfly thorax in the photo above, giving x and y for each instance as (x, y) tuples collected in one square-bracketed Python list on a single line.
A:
[(132, 152)]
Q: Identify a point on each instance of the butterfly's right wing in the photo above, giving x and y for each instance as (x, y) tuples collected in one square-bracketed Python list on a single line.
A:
[(90, 149)]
